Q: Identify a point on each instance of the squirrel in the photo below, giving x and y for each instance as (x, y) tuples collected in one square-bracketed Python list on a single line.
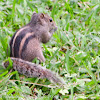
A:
[(25, 46)]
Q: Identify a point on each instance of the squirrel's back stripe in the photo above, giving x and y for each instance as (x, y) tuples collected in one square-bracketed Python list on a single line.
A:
[(14, 38), (26, 42), (17, 44), (19, 39), (23, 41)]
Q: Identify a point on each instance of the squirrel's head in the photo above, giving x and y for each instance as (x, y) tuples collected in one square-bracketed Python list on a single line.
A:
[(47, 21), (44, 20), (45, 24)]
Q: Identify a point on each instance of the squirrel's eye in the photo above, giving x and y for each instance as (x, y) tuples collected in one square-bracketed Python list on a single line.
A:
[(50, 20)]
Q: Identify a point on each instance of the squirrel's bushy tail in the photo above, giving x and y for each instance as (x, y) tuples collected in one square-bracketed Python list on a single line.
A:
[(33, 70)]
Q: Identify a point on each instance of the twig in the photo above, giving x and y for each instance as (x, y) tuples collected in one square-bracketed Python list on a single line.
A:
[(49, 86)]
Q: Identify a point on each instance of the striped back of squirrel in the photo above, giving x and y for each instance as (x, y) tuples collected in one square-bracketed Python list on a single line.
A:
[(20, 40)]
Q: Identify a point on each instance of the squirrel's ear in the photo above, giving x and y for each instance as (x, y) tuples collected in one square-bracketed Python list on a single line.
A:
[(42, 15), (41, 18), (34, 12)]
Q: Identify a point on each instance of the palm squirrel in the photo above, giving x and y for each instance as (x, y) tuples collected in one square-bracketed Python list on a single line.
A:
[(25, 46)]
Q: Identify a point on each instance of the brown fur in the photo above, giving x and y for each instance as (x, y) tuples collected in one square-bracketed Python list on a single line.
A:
[(22, 43), (15, 38), (33, 50)]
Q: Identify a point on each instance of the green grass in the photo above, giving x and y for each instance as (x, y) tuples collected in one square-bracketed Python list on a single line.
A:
[(73, 52)]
